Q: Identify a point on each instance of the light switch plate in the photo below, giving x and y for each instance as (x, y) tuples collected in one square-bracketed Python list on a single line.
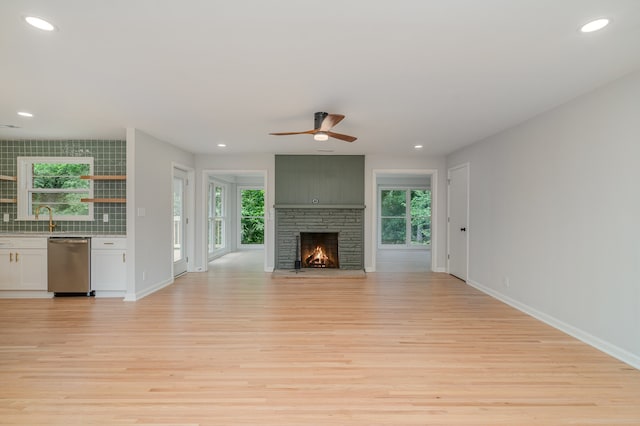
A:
[(105, 217), (5, 217)]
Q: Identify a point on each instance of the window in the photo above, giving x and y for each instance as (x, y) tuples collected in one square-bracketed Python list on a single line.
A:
[(405, 217), (251, 216), (55, 182), (216, 217)]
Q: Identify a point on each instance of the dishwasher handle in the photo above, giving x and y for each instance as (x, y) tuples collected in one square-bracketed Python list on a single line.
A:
[(68, 240)]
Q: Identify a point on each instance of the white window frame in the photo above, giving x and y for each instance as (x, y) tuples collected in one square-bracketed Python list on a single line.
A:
[(25, 180), (407, 244), (211, 241), (239, 210)]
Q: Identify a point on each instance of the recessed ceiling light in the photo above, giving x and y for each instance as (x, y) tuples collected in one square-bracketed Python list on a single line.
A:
[(594, 25), (25, 114), (222, 145), (417, 146), (39, 23)]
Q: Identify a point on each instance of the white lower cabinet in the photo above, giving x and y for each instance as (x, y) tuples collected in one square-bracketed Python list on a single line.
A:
[(109, 266), (23, 264)]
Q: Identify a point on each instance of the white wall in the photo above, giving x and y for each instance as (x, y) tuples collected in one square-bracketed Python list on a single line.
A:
[(233, 165), (555, 208), (150, 187), (413, 163)]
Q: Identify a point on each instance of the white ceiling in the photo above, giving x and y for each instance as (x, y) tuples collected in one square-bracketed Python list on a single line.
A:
[(441, 73)]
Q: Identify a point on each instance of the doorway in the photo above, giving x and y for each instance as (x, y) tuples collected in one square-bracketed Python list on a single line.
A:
[(237, 219), (404, 224)]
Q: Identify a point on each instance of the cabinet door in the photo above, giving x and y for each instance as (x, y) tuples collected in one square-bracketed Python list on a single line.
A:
[(32, 269), (23, 269), (108, 270), (8, 270)]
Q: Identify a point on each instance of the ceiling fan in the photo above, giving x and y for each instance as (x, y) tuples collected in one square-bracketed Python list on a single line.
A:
[(323, 123)]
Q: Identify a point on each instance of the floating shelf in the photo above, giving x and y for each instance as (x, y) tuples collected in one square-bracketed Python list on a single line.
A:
[(103, 200), (12, 178), (8, 200), (104, 177)]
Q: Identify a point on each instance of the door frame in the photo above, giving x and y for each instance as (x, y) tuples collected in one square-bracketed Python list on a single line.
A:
[(468, 231), (189, 210), (433, 173)]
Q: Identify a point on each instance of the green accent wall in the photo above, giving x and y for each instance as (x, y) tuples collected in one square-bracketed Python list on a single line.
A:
[(330, 179), (109, 158)]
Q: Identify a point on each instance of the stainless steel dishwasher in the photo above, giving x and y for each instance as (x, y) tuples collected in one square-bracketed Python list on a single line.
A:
[(69, 265)]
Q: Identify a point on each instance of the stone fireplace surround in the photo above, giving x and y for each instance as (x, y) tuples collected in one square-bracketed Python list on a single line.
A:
[(347, 222)]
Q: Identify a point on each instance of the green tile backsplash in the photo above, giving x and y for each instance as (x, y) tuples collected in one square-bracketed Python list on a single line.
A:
[(109, 158)]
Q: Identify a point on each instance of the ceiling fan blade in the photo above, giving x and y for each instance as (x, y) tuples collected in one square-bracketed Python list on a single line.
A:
[(330, 121), (306, 132), (342, 137)]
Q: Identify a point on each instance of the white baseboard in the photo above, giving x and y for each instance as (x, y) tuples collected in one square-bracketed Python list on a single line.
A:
[(148, 291), (104, 294), (436, 269), (604, 346)]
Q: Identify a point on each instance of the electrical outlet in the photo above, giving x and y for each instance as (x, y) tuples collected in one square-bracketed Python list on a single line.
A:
[(5, 217), (144, 275), (506, 282), (105, 217)]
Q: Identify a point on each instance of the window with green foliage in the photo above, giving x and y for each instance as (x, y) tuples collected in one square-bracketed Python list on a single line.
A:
[(405, 217), (55, 182), (251, 216)]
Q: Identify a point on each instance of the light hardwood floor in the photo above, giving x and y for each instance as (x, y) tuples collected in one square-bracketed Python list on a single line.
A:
[(236, 346)]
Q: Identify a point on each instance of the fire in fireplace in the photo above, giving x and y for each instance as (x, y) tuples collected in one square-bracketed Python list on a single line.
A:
[(319, 250)]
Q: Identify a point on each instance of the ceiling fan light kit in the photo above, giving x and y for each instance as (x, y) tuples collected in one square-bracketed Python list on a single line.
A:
[(321, 136), (323, 123)]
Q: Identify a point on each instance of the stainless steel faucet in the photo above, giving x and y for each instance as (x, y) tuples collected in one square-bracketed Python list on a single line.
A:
[(51, 224)]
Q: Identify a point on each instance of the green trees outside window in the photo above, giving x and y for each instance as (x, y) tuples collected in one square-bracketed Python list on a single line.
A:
[(59, 186), (252, 216), (405, 217)]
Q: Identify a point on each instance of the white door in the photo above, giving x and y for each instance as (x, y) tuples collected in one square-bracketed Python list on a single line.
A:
[(458, 229), (179, 222)]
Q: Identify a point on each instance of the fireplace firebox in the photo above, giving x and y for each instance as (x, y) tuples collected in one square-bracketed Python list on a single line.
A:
[(319, 250)]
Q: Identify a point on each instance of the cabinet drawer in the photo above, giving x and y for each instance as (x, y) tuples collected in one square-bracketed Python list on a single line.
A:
[(108, 243), (18, 243)]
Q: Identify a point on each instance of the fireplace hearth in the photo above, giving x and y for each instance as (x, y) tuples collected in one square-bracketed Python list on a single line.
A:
[(319, 250)]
